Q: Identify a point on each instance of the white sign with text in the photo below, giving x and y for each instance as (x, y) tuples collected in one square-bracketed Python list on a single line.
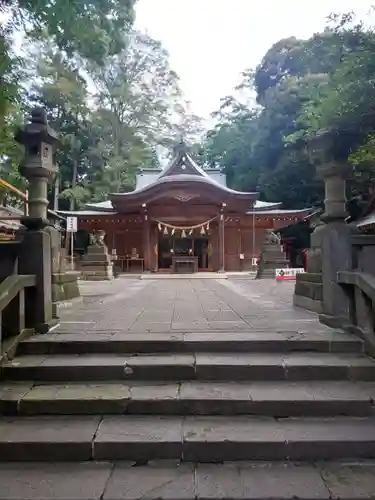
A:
[(71, 224), (288, 274)]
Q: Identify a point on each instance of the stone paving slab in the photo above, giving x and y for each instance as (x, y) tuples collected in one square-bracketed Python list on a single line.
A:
[(168, 480), (349, 481), (168, 342), (292, 366), (259, 481), (196, 438), (47, 438), (190, 398), (188, 305), (10, 395), (209, 439), (78, 398), (58, 481), (138, 437)]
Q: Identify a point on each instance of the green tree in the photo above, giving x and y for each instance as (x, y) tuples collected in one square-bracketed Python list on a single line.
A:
[(62, 91), (137, 107), (344, 101), (85, 29), (263, 146), (91, 28)]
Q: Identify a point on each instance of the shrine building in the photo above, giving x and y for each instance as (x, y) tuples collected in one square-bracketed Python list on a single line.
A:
[(183, 215)]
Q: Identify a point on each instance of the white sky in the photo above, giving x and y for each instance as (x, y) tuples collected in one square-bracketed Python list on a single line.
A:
[(211, 41)]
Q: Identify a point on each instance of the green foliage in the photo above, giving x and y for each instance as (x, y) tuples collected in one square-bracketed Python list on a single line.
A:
[(93, 29), (90, 30), (135, 105), (301, 86), (10, 151)]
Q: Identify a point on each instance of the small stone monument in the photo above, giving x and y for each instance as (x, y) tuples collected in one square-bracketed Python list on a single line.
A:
[(272, 256), (97, 262)]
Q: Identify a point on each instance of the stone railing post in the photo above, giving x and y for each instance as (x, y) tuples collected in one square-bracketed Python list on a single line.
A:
[(332, 240), (40, 142)]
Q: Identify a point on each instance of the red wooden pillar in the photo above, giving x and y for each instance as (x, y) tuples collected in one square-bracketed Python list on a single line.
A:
[(222, 239), (154, 235), (146, 239)]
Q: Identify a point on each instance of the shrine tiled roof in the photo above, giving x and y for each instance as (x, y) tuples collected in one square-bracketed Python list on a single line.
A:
[(108, 208), (105, 208), (182, 169), (183, 178), (279, 212), (183, 173)]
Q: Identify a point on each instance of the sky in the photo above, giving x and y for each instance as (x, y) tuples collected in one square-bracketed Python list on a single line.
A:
[(211, 42)]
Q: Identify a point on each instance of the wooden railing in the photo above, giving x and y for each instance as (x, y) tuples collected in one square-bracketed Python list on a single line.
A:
[(13, 310)]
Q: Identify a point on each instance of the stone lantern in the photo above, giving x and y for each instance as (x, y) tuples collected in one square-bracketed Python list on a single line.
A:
[(38, 246), (40, 142), (331, 248), (329, 149)]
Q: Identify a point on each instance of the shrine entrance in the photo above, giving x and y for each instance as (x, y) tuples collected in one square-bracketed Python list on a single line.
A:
[(171, 247)]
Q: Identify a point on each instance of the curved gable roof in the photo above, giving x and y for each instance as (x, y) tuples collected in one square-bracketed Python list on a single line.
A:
[(182, 173)]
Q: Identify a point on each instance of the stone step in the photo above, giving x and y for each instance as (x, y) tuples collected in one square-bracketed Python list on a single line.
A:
[(102, 343), (166, 480), (191, 439), (200, 366), (276, 399)]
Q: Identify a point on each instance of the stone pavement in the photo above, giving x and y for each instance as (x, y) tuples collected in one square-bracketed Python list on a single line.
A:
[(166, 480), (167, 389), (188, 305)]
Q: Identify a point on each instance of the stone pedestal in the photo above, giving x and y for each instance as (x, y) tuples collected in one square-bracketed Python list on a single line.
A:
[(272, 257), (35, 258), (308, 292), (65, 286), (97, 264), (337, 255), (64, 282)]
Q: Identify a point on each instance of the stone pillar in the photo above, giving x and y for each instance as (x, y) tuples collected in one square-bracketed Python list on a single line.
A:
[(333, 238), (40, 143)]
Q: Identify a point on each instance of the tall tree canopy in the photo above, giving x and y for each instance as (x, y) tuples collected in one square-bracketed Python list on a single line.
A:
[(301, 86), (108, 90), (88, 29), (91, 28)]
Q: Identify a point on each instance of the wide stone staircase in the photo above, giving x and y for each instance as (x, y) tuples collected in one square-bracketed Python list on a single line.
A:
[(188, 415)]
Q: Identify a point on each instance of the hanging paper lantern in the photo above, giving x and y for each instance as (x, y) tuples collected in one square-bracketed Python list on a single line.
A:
[(165, 230), (208, 226), (159, 226), (183, 234), (191, 232), (173, 231), (202, 230)]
